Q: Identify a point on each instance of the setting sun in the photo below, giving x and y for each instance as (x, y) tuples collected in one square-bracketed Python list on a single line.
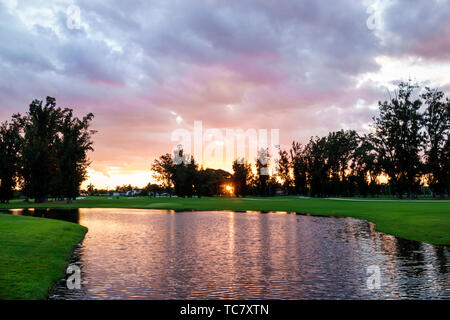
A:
[(229, 189)]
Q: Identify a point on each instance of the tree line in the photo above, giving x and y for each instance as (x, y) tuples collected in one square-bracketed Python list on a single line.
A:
[(184, 177), (408, 146), (44, 152)]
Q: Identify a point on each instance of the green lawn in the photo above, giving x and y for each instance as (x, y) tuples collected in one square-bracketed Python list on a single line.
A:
[(427, 221), (33, 254), (35, 251)]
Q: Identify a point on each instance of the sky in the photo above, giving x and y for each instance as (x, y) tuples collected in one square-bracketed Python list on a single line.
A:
[(148, 68)]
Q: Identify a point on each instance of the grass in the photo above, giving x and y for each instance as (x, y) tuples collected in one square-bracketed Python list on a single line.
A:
[(427, 221), (35, 251), (33, 254)]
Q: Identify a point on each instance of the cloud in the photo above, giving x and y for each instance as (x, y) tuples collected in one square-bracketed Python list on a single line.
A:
[(422, 29), (147, 68)]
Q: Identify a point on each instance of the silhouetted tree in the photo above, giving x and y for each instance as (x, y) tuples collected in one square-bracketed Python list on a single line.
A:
[(436, 121), (164, 169), (317, 166), (54, 152), (405, 146), (41, 126), (299, 168), (10, 148), (364, 169), (72, 146), (185, 174), (340, 146), (151, 189), (284, 171), (241, 176), (125, 188), (210, 182), (398, 140), (446, 164), (91, 189)]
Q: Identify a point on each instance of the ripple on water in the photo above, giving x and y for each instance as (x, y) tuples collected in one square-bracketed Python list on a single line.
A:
[(142, 254)]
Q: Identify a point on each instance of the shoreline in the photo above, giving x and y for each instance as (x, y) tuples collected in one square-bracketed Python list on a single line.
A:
[(422, 221)]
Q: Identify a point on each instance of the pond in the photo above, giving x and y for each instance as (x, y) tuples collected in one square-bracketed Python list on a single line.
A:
[(149, 254)]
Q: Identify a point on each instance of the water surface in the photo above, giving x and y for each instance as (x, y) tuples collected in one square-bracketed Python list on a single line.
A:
[(148, 254)]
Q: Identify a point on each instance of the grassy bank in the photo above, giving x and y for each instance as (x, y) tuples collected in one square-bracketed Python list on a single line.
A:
[(427, 221), (33, 254)]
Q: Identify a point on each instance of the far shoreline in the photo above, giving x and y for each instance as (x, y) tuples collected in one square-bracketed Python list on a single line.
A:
[(419, 220)]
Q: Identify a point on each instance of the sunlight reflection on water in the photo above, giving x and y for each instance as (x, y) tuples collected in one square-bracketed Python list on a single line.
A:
[(142, 254)]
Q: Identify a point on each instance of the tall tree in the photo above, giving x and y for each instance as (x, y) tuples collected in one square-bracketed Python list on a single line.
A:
[(317, 166), (178, 172), (10, 148), (242, 174), (436, 121), (39, 160), (299, 168), (185, 177), (54, 152), (446, 153), (364, 170), (340, 147), (184, 174), (164, 171), (398, 140), (284, 171), (72, 146)]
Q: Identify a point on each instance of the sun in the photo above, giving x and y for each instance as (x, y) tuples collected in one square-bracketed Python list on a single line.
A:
[(229, 189)]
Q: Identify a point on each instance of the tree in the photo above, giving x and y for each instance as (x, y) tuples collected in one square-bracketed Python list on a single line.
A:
[(164, 170), (242, 174), (124, 188), (299, 168), (210, 182), (446, 164), (340, 147), (364, 169), (151, 189), (10, 148), (317, 166), (39, 160), (91, 189), (72, 146), (185, 176), (284, 171), (398, 140), (54, 153), (436, 121)]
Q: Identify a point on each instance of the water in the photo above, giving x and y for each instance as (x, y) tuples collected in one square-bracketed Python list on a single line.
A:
[(142, 254)]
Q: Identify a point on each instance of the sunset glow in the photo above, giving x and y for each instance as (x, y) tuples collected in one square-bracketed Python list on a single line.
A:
[(170, 63)]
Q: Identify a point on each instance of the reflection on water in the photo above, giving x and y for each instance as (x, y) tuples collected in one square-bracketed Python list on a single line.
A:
[(141, 254), (70, 215)]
